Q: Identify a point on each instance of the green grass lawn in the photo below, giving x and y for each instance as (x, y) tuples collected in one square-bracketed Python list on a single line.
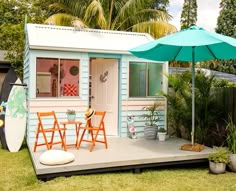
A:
[(17, 174)]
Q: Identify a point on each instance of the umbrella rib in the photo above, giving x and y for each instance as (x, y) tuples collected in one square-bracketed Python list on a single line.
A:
[(211, 52), (177, 53)]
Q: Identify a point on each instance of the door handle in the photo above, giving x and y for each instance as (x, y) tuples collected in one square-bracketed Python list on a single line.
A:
[(92, 97)]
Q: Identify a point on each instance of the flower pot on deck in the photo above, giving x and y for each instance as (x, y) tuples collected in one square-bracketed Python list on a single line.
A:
[(232, 163), (150, 132), (161, 136), (216, 167), (71, 117)]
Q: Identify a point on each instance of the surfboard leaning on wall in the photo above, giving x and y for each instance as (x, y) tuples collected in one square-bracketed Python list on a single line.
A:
[(15, 117), (11, 77)]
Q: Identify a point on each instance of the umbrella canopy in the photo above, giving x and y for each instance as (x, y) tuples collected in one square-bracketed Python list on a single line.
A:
[(192, 45)]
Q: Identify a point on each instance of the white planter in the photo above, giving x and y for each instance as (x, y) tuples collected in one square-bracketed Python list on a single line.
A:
[(162, 136), (71, 117), (232, 163), (217, 168)]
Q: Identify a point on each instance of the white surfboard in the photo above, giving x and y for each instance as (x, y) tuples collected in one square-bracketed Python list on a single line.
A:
[(15, 117)]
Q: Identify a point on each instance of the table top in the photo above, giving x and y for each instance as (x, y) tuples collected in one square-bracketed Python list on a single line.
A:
[(70, 122)]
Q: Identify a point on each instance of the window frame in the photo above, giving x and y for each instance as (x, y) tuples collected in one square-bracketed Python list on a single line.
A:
[(59, 61), (147, 85)]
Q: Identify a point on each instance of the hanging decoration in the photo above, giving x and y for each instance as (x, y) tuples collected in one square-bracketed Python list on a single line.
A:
[(74, 70), (103, 77)]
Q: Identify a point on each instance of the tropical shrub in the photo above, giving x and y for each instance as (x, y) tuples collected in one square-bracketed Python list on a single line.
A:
[(209, 115), (231, 135), (219, 155)]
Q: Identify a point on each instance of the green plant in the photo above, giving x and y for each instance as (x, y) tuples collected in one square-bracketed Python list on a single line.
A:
[(162, 130), (70, 112), (152, 115), (231, 135), (219, 155)]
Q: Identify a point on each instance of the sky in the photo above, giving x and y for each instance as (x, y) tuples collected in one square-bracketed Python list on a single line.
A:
[(208, 11)]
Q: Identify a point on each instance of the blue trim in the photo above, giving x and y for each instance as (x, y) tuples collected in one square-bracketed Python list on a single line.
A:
[(98, 55), (119, 97)]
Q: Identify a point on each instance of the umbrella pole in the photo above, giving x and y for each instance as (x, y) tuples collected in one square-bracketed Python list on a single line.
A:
[(193, 96), (192, 146)]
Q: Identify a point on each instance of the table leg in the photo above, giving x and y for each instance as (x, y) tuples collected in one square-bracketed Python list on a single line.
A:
[(77, 134), (64, 134)]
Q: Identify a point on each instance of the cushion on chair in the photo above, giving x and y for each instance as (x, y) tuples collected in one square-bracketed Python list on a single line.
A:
[(56, 157)]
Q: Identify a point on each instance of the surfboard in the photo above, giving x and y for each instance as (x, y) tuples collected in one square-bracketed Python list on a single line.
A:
[(15, 117), (10, 77)]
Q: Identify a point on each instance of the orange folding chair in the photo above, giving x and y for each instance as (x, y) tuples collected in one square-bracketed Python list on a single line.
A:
[(94, 131), (47, 126)]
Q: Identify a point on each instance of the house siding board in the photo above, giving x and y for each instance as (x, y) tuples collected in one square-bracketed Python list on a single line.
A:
[(84, 77), (139, 121), (26, 66), (70, 132), (135, 108), (124, 77), (32, 75), (26, 61), (60, 107), (26, 78)]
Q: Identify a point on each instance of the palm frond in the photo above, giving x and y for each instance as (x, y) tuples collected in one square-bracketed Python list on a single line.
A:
[(154, 14), (126, 9), (155, 28), (62, 19), (95, 11), (59, 8)]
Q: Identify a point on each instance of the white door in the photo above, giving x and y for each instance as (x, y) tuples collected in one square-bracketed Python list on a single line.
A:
[(104, 91)]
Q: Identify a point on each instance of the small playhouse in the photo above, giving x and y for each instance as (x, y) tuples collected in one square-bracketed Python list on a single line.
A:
[(66, 68)]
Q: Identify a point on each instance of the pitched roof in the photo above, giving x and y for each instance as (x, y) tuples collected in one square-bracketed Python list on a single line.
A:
[(87, 40)]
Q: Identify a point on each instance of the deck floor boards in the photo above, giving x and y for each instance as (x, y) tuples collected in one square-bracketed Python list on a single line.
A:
[(121, 153)]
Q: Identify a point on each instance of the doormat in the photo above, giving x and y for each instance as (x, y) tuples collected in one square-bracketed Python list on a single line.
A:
[(190, 147)]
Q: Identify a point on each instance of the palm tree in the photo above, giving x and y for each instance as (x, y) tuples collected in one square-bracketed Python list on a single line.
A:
[(123, 15), (179, 103)]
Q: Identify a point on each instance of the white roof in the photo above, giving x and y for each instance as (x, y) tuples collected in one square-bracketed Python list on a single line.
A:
[(51, 37)]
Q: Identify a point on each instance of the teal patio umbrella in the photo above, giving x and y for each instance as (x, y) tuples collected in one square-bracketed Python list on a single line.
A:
[(192, 45)]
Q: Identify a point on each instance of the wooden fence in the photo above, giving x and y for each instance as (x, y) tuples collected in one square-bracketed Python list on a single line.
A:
[(226, 97)]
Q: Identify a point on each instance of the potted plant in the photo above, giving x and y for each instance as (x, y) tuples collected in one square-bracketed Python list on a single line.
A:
[(231, 143), (152, 117), (71, 115), (218, 160), (162, 134)]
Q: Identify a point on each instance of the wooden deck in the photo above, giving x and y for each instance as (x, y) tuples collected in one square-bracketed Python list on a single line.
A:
[(122, 154)]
